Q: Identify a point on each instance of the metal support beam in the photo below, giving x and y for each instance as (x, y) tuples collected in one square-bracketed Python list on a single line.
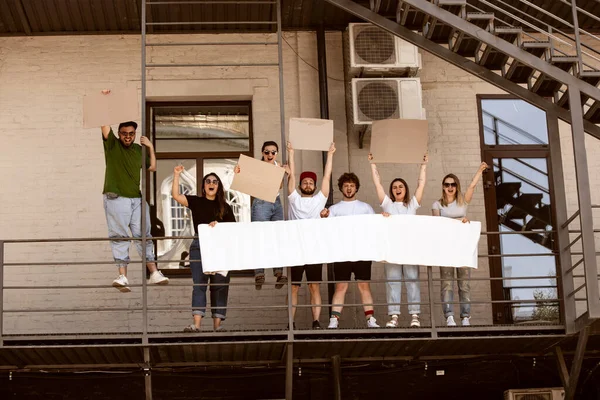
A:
[(460, 61), (576, 365), (324, 107), (336, 366), (576, 32), (147, 374), (144, 169), (434, 333), (289, 371), (502, 45), (585, 204), (563, 372), (566, 283)]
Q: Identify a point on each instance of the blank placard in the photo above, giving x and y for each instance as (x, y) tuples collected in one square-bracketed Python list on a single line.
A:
[(401, 141), (311, 133), (120, 105), (258, 178)]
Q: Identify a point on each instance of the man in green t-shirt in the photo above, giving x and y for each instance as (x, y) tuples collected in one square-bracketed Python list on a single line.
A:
[(123, 199)]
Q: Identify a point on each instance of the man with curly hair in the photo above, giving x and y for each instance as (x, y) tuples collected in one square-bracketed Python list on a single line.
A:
[(349, 184)]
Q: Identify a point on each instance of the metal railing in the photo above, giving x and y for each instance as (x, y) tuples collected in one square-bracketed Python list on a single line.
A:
[(430, 303)]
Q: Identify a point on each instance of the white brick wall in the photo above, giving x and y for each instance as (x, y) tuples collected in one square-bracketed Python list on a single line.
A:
[(51, 169)]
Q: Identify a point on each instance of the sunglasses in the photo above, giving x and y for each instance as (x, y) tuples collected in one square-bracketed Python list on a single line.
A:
[(267, 152), (127, 134), (447, 185), (213, 181)]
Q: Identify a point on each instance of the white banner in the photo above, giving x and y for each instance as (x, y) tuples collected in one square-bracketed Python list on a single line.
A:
[(399, 239)]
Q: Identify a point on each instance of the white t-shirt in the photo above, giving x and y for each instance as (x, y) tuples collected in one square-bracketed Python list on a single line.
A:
[(354, 207), (398, 208), (452, 210), (306, 207)]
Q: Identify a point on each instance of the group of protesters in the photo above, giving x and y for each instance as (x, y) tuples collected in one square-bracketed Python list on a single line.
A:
[(122, 203)]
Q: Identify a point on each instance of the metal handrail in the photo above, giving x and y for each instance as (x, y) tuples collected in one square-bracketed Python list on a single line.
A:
[(539, 30)]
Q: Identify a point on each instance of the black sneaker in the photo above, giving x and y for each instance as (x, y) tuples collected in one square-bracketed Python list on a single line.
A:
[(316, 325), (288, 326)]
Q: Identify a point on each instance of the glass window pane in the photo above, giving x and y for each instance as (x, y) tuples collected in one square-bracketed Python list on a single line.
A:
[(510, 121), (523, 201), (218, 128)]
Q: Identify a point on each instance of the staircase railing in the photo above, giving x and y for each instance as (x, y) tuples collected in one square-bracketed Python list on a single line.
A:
[(572, 42)]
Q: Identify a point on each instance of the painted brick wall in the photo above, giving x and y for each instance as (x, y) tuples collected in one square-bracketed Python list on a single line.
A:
[(51, 169)]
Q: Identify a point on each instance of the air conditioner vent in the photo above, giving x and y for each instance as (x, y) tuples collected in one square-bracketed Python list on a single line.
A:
[(374, 46), (374, 99)]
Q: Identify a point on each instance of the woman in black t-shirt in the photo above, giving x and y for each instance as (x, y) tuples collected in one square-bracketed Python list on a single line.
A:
[(210, 208)]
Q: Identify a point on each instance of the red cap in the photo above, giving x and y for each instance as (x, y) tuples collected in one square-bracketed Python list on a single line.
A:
[(308, 174)]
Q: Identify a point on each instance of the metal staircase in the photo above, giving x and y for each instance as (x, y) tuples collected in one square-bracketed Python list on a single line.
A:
[(537, 65), (546, 65)]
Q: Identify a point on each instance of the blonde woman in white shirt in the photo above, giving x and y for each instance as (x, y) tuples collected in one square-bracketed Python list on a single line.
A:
[(453, 204), (399, 202)]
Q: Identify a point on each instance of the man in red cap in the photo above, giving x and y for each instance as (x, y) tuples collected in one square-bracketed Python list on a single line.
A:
[(308, 205)]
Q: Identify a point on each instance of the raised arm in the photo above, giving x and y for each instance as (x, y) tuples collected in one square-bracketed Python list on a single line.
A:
[(377, 180), (148, 143), (326, 184), (473, 184), (178, 197), (105, 128), (291, 169), (422, 179)]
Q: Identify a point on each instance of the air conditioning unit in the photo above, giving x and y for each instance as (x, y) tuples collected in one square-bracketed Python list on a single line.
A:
[(535, 394), (375, 99), (375, 50)]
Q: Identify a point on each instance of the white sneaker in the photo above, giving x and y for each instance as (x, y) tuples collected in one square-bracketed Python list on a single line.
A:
[(122, 284), (392, 323), (333, 323), (158, 278), (414, 322), (450, 321), (372, 323), (465, 321)]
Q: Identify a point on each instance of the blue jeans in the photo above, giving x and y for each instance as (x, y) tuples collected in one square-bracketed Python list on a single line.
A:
[(265, 211), (124, 219), (464, 290), (219, 287), (394, 289)]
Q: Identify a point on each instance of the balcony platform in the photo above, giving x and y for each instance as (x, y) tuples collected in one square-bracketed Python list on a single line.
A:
[(115, 351)]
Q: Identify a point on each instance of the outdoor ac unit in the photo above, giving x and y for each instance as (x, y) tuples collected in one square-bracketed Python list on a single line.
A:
[(374, 99), (535, 394), (373, 49)]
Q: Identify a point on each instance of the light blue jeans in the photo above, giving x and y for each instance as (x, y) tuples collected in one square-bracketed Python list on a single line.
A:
[(266, 211), (394, 289), (124, 219), (464, 290)]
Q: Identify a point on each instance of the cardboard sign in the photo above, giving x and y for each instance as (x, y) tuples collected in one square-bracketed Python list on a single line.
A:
[(120, 105), (311, 133), (258, 178), (400, 141)]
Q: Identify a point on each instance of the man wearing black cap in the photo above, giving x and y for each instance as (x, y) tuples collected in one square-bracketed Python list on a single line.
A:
[(308, 205)]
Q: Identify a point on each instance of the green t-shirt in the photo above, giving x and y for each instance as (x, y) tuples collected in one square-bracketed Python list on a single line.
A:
[(123, 166)]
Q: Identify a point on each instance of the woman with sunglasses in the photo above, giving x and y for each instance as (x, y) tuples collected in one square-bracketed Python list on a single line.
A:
[(399, 202), (210, 208), (453, 204), (263, 210)]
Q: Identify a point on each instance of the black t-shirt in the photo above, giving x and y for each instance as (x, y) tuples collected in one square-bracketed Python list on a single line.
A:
[(205, 211)]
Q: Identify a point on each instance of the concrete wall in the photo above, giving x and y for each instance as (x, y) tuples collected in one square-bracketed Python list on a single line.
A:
[(51, 169)]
